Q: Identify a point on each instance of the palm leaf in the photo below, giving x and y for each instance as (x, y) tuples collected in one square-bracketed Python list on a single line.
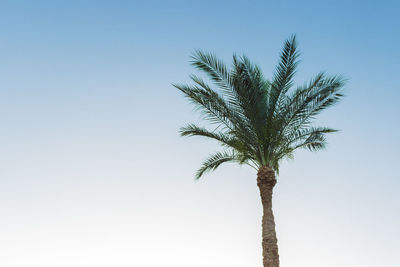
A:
[(214, 161)]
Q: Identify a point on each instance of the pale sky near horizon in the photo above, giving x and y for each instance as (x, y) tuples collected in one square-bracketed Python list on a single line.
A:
[(94, 173)]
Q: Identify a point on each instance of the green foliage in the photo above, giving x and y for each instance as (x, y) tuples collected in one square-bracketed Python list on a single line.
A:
[(259, 122)]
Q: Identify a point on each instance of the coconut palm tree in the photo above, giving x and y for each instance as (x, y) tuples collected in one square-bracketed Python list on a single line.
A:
[(259, 122)]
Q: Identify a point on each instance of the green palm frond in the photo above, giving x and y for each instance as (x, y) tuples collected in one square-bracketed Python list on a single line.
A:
[(283, 77), (300, 136), (308, 101), (213, 67), (225, 139), (284, 73), (251, 91), (216, 110), (215, 160), (210, 103), (315, 141)]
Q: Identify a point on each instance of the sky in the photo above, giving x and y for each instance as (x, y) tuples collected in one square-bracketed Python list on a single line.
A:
[(93, 171)]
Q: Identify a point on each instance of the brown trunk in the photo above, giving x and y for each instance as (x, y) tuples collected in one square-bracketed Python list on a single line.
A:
[(266, 181)]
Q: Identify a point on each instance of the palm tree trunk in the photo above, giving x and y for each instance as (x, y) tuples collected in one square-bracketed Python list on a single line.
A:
[(266, 181)]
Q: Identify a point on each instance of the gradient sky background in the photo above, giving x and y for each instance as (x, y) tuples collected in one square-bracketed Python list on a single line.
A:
[(93, 172)]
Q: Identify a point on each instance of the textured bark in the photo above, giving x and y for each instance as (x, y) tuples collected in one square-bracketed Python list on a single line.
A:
[(266, 181)]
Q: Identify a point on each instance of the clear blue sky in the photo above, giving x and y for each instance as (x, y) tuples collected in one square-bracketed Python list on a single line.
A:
[(93, 172)]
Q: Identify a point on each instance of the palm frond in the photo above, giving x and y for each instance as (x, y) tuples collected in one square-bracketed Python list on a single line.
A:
[(210, 103), (214, 161), (308, 101), (299, 136), (224, 139), (314, 142), (213, 67), (251, 92), (284, 73)]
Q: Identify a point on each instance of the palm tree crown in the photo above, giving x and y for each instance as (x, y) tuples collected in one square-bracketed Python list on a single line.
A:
[(259, 122)]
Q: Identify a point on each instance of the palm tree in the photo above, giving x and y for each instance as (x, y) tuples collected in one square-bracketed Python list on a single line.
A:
[(259, 122)]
